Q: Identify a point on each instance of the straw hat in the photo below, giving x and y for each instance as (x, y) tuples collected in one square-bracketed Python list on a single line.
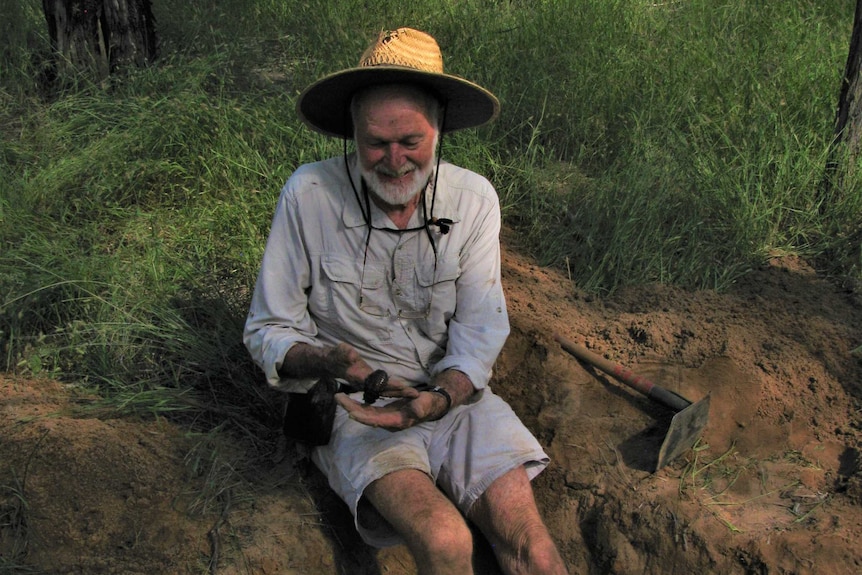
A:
[(402, 56)]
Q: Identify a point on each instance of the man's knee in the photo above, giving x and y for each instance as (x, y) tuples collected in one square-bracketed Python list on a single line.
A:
[(449, 539), (522, 532), (431, 525)]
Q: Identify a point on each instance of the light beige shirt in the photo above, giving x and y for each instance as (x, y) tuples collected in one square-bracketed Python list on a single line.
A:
[(401, 311)]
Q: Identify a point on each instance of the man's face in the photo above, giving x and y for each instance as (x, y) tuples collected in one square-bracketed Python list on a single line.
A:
[(396, 143)]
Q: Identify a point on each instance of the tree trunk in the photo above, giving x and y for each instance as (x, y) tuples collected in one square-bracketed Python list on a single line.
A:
[(847, 139), (96, 37)]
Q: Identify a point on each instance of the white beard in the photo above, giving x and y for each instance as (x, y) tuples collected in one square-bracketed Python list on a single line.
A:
[(401, 193)]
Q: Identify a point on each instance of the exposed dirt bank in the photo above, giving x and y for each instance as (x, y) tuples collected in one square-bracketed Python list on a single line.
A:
[(774, 486)]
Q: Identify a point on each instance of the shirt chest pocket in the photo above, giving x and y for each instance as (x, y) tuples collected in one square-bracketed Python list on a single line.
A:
[(349, 283), (434, 287)]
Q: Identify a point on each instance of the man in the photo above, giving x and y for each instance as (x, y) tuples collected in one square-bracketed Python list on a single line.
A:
[(382, 271)]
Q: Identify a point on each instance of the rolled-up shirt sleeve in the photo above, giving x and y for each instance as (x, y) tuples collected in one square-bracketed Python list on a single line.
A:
[(480, 325), (278, 316)]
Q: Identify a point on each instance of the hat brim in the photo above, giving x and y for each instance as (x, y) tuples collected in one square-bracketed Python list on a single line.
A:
[(325, 105)]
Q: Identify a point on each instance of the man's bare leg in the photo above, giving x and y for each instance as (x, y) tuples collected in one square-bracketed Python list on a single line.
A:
[(507, 515), (435, 531)]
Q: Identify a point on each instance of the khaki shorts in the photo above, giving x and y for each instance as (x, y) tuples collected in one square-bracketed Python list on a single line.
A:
[(464, 452)]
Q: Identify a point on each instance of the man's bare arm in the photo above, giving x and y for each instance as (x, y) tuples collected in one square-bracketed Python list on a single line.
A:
[(457, 385), (303, 361)]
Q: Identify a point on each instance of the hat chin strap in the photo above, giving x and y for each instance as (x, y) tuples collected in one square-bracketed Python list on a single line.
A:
[(443, 224)]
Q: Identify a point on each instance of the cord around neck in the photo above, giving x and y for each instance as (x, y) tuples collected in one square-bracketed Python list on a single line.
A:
[(443, 224)]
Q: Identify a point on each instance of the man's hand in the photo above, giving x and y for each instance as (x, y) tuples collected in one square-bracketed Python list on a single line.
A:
[(355, 371), (414, 407), (347, 364), (340, 362), (399, 414)]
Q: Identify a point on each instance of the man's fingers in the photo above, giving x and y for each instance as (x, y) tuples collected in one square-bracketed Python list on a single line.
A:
[(387, 417), (398, 389), (359, 411), (348, 404)]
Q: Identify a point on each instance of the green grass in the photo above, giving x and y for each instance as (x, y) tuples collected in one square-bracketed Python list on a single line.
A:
[(679, 142)]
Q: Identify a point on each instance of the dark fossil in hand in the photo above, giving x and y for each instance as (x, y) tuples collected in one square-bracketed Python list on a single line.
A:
[(374, 385)]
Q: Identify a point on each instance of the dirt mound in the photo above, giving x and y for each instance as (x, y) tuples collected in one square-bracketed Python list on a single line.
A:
[(774, 485), (87, 492)]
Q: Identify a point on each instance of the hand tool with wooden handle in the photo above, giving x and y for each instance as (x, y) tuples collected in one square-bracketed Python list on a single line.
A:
[(689, 421)]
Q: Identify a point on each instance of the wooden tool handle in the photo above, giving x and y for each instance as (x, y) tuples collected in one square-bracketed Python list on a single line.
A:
[(625, 375)]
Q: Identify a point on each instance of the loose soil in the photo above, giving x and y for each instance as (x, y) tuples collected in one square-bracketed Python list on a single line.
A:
[(774, 486)]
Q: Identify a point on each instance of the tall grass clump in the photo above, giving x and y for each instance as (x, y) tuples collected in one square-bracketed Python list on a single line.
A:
[(678, 142)]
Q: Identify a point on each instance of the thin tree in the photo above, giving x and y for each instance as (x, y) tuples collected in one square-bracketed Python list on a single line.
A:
[(843, 246), (96, 37), (847, 139)]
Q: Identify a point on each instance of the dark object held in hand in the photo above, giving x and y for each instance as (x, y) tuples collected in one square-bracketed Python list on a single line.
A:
[(374, 386)]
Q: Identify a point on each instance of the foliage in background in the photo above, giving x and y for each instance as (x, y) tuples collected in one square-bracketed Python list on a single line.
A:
[(680, 142)]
